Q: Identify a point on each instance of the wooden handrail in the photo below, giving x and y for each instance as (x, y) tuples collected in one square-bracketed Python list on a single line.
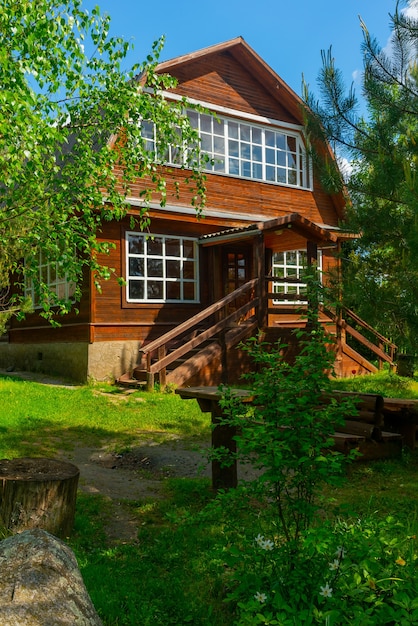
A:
[(198, 318), (159, 345), (202, 337), (366, 326), (378, 350)]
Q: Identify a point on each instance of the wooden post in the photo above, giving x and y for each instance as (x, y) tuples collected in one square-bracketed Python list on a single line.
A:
[(223, 477), (38, 493), (162, 377)]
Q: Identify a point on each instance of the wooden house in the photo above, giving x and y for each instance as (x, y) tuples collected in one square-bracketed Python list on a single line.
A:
[(196, 287)]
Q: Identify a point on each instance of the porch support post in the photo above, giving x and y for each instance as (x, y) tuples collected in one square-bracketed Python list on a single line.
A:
[(312, 261), (260, 272), (311, 253)]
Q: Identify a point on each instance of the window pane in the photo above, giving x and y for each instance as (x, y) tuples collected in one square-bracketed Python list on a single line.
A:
[(136, 245), (155, 290), (257, 154), (291, 258), (270, 137), (154, 267), (245, 132), (256, 135), (188, 249), (245, 151), (233, 166), (188, 269), (280, 141), (270, 156), (172, 247), (257, 171), (194, 118), (173, 269), (219, 145), (206, 143), (270, 173), (233, 130), (189, 291), (155, 246), (233, 148), (136, 290), (246, 169), (219, 165), (136, 267), (291, 144), (173, 291), (206, 123), (292, 177)]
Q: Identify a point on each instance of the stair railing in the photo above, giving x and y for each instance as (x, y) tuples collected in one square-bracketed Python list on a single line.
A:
[(382, 347), (156, 354)]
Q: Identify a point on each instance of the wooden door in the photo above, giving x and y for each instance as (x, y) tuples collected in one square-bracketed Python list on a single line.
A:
[(236, 272)]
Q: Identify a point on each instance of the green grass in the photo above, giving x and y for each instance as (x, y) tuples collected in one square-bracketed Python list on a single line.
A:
[(384, 383), (38, 420), (174, 573)]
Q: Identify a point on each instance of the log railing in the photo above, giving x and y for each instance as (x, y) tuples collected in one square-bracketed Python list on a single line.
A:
[(205, 325), (382, 347)]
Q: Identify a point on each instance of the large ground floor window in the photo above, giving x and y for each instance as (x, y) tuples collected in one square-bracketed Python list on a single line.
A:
[(290, 265), (161, 268)]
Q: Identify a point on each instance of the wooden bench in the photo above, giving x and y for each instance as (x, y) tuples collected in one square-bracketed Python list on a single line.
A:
[(364, 430), (401, 415)]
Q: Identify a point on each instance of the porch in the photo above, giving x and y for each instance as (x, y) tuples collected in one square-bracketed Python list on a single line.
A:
[(253, 291)]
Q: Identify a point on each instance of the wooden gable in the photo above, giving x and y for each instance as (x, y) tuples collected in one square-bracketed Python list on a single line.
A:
[(233, 76)]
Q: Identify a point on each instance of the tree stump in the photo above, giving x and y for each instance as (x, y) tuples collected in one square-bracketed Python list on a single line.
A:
[(38, 493)]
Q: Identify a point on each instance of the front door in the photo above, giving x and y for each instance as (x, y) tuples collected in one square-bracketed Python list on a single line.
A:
[(236, 272), (236, 268)]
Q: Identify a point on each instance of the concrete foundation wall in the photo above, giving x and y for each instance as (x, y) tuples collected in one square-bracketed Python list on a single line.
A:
[(102, 361)]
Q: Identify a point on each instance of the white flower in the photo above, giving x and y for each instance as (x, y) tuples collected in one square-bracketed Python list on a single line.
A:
[(334, 565), (260, 597), (267, 544), (340, 553), (326, 591), (264, 544)]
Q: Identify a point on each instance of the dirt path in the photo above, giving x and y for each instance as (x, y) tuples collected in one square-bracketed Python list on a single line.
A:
[(136, 475)]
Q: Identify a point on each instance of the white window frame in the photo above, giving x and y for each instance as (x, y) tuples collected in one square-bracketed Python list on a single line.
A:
[(155, 248), (291, 264), (254, 151), (244, 149), (49, 273)]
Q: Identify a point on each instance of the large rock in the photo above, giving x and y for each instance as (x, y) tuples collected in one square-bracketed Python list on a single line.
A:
[(40, 583)]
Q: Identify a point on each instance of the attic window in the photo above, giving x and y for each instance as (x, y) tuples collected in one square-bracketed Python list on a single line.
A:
[(242, 149), (252, 151), (161, 268)]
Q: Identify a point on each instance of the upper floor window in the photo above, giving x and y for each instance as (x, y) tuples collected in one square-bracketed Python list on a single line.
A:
[(243, 149), (290, 266), (161, 268), (50, 275)]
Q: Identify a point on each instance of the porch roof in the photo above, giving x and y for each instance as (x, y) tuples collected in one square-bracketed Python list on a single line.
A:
[(313, 232)]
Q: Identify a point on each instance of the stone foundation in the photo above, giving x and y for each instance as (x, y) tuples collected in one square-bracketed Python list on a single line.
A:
[(79, 362)]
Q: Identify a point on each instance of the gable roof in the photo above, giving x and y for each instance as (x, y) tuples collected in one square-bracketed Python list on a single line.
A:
[(239, 49)]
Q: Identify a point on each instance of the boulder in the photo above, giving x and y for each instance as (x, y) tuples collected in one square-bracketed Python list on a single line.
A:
[(40, 583)]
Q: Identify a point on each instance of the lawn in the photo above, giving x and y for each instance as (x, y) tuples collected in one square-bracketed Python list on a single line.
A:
[(176, 571)]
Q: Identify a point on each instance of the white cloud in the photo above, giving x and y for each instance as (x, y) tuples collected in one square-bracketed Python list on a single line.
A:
[(412, 9)]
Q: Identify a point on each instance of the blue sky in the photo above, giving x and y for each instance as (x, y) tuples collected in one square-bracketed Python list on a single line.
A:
[(288, 35)]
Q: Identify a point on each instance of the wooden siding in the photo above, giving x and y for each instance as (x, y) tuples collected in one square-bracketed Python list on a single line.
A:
[(220, 79), (230, 78)]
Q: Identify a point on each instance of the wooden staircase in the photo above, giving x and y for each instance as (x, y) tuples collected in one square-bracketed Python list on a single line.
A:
[(182, 354)]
